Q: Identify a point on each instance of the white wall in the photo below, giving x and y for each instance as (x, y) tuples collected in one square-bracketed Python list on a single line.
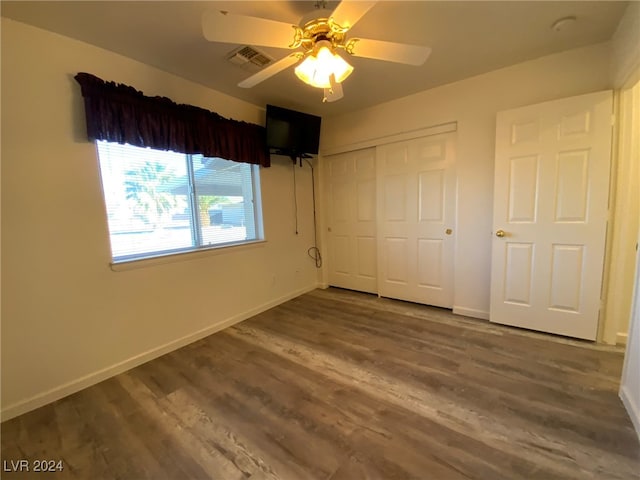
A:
[(626, 77), (473, 103), (625, 72), (68, 320), (625, 55), (630, 383)]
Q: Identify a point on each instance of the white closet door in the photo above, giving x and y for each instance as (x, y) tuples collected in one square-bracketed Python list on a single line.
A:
[(550, 214), (351, 198), (416, 209)]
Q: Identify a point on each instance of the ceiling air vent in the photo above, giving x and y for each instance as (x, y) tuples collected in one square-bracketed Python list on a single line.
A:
[(249, 58)]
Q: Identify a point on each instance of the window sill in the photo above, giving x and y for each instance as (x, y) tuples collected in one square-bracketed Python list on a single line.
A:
[(124, 265)]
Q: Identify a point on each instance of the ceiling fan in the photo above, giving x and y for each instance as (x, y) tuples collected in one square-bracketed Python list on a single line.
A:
[(317, 40)]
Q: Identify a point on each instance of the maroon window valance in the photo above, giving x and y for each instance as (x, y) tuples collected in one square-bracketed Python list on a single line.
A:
[(119, 113)]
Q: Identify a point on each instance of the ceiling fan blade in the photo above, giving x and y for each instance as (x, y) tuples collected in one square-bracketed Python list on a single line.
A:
[(347, 13), (270, 71), (219, 26), (388, 51)]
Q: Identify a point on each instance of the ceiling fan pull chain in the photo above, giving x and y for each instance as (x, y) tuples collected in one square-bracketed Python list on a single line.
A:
[(334, 92)]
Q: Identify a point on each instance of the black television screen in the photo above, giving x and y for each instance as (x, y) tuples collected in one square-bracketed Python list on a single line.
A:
[(292, 133)]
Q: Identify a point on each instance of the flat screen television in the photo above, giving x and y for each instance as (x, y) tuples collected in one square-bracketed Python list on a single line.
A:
[(292, 133)]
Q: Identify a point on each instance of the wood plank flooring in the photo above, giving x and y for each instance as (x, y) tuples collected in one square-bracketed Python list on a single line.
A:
[(340, 385)]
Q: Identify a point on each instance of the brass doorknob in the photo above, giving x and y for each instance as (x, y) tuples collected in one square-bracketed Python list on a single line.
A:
[(500, 233), (448, 231)]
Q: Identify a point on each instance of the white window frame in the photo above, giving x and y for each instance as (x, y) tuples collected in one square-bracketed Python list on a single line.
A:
[(197, 241)]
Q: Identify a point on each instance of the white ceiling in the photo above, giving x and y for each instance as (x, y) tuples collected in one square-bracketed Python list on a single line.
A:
[(467, 38)]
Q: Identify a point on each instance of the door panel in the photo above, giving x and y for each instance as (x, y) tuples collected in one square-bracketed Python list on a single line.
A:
[(395, 199), (431, 196), (339, 198), (416, 181), (366, 200), (566, 277), (397, 260), (551, 199), (430, 262), (519, 273), (572, 181), (523, 189), (351, 194), (340, 255), (366, 251)]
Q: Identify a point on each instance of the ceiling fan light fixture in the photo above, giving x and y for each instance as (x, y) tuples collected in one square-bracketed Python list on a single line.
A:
[(322, 62)]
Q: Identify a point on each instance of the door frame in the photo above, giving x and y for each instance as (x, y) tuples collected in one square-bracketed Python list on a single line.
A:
[(621, 253)]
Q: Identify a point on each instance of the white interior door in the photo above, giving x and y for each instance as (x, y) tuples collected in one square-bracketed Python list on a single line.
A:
[(550, 214), (416, 208), (351, 196)]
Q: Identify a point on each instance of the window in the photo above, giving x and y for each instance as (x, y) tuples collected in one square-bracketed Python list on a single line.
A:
[(162, 202)]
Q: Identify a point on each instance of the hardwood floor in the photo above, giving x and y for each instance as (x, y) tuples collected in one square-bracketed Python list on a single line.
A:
[(340, 385)]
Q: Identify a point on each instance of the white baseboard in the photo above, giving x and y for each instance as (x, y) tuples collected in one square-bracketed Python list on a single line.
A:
[(471, 312), (632, 408), (61, 391), (621, 338)]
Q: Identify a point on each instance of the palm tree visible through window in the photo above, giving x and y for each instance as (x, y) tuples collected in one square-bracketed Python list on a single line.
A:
[(144, 188)]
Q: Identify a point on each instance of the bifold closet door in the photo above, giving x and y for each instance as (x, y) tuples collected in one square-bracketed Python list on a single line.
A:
[(416, 209), (351, 220)]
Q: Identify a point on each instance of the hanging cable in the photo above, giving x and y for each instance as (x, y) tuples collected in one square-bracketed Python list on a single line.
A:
[(314, 251), (295, 196)]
